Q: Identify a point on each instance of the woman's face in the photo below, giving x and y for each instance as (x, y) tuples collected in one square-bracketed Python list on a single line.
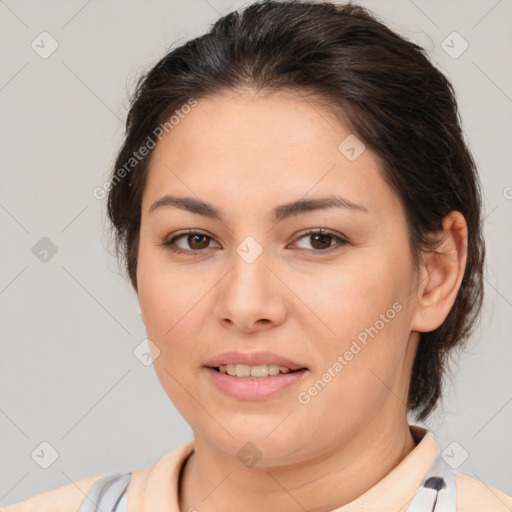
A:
[(337, 303)]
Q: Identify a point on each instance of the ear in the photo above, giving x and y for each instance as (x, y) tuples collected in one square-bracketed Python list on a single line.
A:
[(440, 274)]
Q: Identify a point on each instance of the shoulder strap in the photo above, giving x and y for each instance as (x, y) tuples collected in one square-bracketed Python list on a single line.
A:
[(107, 493), (438, 491)]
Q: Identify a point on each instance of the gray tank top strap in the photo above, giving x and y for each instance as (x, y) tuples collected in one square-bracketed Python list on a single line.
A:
[(108, 494), (438, 492)]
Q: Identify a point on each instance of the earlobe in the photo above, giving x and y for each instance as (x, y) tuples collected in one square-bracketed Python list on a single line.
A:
[(441, 273)]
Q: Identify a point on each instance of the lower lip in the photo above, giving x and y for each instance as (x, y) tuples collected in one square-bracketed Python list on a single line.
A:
[(254, 388)]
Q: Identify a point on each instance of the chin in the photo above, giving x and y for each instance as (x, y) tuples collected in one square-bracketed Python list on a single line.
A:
[(273, 444)]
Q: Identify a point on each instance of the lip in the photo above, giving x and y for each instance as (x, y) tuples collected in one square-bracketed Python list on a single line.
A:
[(253, 388), (253, 359)]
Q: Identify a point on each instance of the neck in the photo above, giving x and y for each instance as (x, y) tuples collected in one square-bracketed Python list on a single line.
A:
[(212, 482)]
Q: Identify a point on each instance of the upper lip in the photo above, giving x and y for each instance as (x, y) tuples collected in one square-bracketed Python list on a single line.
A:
[(252, 359)]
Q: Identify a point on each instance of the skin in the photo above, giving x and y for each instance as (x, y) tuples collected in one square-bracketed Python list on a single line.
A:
[(304, 297)]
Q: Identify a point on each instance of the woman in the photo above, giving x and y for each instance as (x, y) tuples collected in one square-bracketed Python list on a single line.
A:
[(300, 218)]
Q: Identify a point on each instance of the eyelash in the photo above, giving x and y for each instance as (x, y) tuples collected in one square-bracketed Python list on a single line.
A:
[(320, 231)]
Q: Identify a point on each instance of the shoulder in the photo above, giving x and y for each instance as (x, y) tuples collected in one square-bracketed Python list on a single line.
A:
[(67, 498), (475, 495), (70, 497)]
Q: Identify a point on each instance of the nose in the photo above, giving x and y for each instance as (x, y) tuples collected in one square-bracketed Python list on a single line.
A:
[(250, 296)]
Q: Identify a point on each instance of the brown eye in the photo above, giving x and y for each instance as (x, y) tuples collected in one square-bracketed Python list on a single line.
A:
[(198, 241), (190, 241), (322, 241)]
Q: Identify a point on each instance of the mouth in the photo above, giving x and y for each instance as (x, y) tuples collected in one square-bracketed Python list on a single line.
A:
[(255, 372), (253, 364), (254, 375), (244, 386)]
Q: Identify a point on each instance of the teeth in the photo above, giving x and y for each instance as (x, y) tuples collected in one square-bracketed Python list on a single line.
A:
[(243, 370)]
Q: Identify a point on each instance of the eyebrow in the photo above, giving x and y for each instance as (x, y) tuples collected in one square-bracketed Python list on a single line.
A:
[(279, 213)]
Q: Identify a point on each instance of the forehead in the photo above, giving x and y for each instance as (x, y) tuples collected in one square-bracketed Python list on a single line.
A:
[(236, 122), (261, 149)]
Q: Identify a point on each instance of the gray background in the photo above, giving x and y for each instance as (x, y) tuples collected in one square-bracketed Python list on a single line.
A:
[(70, 325)]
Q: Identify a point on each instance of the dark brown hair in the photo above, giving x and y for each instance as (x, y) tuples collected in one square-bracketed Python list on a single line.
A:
[(387, 90)]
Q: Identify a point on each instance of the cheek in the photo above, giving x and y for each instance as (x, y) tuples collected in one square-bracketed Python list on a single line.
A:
[(368, 314), (169, 295), (172, 310), (354, 299), (176, 304)]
